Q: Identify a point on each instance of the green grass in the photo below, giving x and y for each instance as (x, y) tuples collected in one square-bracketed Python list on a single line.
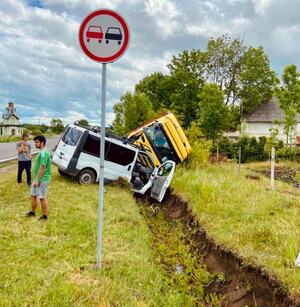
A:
[(247, 217), (53, 263)]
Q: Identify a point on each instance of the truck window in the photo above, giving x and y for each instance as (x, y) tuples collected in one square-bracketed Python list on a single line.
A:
[(119, 154), (159, 141), (145, 160), (92, 146), (72, 136)]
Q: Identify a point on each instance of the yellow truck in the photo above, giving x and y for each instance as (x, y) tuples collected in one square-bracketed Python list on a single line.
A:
[(163, 138)]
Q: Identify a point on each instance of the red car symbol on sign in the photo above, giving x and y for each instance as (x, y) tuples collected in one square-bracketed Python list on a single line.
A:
[(94, 32), (113, 33)]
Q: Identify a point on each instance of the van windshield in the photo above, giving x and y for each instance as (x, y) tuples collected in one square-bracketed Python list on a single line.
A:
[(71, 136), (161, 144)]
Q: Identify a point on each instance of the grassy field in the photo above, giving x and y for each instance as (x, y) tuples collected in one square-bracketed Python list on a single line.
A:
[(246, 216), (53, 263)]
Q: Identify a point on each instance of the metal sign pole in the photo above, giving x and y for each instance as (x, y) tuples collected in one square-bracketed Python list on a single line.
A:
[(101, 177)]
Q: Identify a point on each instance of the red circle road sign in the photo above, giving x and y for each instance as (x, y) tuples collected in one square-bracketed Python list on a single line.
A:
[(104, 36)]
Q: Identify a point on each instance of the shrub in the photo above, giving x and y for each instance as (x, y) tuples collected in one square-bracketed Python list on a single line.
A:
[(201, 149), (288, 153)]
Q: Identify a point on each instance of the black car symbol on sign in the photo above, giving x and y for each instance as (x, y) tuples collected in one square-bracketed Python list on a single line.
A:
[(113, 33)]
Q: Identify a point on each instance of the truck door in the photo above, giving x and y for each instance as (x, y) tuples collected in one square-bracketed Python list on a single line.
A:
[(162, 180)]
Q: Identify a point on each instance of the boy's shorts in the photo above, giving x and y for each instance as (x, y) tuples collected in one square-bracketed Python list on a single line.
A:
[(39, 191)]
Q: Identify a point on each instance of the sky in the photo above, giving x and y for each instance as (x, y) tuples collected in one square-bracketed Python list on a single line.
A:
[(44, 71)]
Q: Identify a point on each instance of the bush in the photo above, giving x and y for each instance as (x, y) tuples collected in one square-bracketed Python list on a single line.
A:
[(288, 153), (36, 132), (251, 149), (201, 151)]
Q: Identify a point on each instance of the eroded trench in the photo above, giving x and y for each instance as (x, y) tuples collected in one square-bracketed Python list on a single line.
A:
[(210, 274)]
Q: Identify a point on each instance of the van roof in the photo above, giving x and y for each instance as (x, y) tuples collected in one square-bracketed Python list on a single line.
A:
[(96, 130)]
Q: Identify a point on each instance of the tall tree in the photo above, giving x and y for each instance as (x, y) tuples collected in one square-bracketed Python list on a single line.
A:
[(131, 112), (223, 67), (157, 87), (256, 81), (288, 94), (213, 113), (184, 98)]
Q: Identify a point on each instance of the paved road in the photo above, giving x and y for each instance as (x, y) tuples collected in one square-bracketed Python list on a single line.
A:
[(8, 150)]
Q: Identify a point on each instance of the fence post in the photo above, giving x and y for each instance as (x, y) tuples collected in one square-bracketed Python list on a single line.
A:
[(240, 158), (272, 168)]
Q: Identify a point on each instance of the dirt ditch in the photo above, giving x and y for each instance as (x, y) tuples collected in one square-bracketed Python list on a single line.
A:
[(283, 173), (230, 280)]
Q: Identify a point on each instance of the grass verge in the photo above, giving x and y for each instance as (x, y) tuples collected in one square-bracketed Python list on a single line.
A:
[(52, 263), (245, 216)]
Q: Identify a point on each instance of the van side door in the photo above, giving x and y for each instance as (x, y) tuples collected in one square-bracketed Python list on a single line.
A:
[(119, 161), (162, 179)]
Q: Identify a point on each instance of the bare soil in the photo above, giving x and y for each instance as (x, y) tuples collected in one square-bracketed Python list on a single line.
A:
[(283, 173), (243, 284)]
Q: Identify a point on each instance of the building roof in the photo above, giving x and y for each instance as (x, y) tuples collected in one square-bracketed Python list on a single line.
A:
[(267, 113), (10, 111)]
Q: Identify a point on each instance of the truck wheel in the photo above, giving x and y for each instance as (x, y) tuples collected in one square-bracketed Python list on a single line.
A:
[(62, 173), (86, 176)]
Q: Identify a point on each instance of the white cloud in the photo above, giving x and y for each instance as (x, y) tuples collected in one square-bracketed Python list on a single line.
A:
[(165, 14), (44, 71), (261, 5)]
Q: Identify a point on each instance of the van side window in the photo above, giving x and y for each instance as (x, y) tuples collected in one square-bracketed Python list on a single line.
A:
[(120, 155), (72, 136), (92, 146)]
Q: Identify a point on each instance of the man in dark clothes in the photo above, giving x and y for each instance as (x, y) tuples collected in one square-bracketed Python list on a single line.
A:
[(24, 158)]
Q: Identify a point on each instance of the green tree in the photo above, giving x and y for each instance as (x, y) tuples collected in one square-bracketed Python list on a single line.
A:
[(185, 83), (157, 87), (223, 66), (131, 112), (242, 73), (184, 98), (214, 115), (57, 125), (288, 94), (83, 122), (256, 81)]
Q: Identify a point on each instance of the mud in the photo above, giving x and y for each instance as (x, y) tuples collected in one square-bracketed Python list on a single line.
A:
[(283, 173), (238, 283)]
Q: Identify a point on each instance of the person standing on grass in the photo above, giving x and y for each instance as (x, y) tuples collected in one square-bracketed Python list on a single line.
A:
[(24, 159), (41, 178)]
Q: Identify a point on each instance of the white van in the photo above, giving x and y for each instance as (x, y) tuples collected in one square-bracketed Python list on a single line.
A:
[(78, 151)]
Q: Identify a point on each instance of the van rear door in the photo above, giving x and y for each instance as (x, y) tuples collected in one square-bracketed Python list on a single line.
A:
[(66, 147), (162, 179)]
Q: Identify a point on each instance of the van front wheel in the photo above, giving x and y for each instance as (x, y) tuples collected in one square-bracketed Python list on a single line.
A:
[(86, 176)]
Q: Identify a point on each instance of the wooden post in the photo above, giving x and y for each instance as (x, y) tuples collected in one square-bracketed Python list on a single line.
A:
[(272, 168), (240, 159)]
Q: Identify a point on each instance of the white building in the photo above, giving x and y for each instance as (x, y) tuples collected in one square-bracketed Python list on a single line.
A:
[(267, 116), (10, 125)]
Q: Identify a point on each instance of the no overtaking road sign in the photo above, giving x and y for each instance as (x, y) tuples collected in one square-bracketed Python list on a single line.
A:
[(104, 36)]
